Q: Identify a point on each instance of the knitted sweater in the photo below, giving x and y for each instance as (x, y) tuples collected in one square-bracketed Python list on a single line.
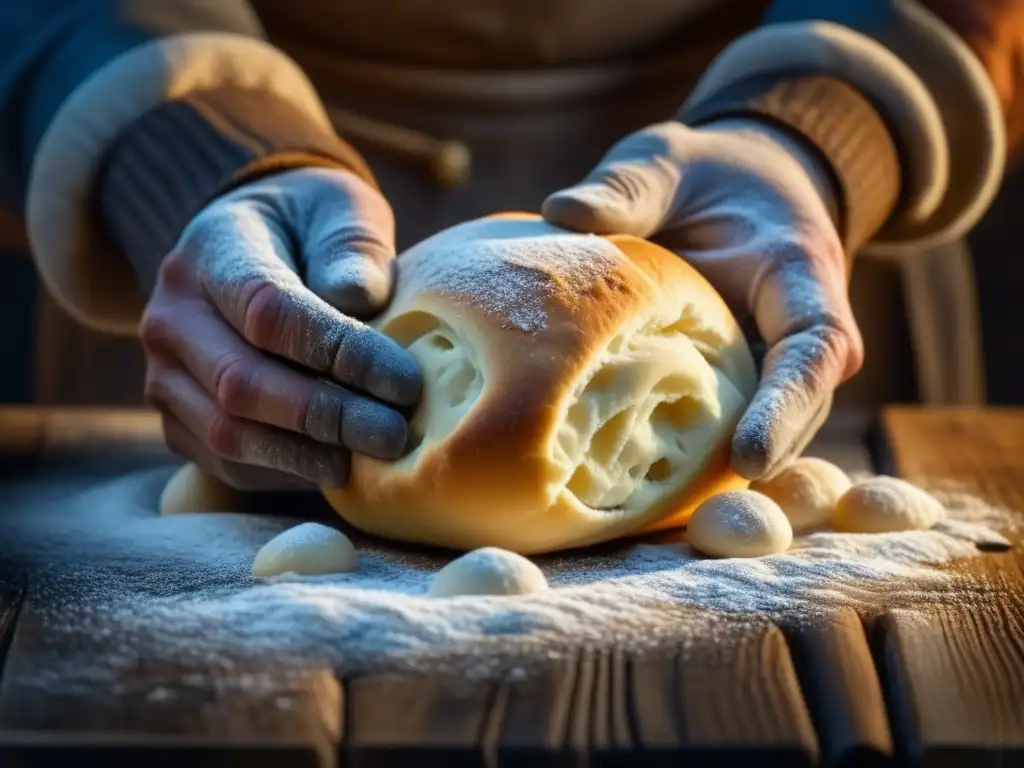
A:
[(119, 120)]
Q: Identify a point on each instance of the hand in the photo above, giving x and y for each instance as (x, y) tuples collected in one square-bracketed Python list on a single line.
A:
[(254, 358), (749, 208)]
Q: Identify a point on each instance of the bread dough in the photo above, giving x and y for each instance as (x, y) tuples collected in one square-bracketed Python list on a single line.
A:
[(191, 490), (807, 490), (887, 504), (306, 549), (576, 389), (739, 524), (488, 571)]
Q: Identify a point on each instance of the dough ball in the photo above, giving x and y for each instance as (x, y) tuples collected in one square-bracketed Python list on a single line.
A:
[(576, 389), (488, 571), (306, 549), (807, 490), (739, 524), (191, 490), (886, 504)]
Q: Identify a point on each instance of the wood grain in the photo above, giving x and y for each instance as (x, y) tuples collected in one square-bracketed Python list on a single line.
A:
[(844, 695), (936, 685), (399, 720), (956, 677), (733, 696), (981, 449), (67, 692), (954, 674)]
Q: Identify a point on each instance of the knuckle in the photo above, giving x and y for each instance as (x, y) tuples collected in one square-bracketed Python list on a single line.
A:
[(155, 389), (223, 436), (155, 393), (355, 238), (233, 383), (176, 269), (265, 312), (841, 342), (156, 329), (787, 246)]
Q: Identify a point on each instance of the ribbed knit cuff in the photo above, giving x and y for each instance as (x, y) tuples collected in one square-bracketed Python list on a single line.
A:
[(836, 121), (179, 156)]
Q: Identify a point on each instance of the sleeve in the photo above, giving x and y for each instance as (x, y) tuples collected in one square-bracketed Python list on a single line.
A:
[(121, 119), (874, 79)]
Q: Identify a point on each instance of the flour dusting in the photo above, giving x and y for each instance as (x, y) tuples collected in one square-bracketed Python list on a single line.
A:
[(514, 279), (104, 559)]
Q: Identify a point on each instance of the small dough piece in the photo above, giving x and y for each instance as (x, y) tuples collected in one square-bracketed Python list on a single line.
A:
[(887, 504), (307, 549), (488, 571), (807, 490), (192, 490), (739, 524)]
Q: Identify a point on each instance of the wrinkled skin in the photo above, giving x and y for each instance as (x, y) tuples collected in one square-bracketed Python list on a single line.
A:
[(255, 358), (749, 208)]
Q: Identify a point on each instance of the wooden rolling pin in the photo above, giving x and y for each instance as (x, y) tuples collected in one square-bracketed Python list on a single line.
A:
[(33, 430)]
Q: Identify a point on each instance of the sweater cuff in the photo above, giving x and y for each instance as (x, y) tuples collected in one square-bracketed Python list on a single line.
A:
[(182, 154), (87, 276), (836, 122)]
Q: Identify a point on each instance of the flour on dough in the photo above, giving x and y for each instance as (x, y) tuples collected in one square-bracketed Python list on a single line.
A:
[(488, 571), (739, 524), (886, 505), (807, 490), (308, 549)]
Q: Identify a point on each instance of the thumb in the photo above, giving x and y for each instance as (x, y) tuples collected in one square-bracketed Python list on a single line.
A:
[(349, 247), (631, 191)]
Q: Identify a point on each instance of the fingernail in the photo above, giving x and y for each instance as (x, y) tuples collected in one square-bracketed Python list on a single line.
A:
[(751, 449), (373, 429), (395, 376), (355, 285), (588, 207)]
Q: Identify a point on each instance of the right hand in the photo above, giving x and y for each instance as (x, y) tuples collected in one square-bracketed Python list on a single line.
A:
[(262, 374)]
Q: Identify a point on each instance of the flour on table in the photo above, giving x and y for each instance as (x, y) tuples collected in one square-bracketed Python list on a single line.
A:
[(104, 559)]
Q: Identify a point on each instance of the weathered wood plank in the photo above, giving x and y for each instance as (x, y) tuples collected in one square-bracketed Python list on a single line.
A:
[(394, 720), (57, 699), (533, 717), (954, 674), (740, 697), (980, 449), (729, 695), (956, 679), (833, 660)]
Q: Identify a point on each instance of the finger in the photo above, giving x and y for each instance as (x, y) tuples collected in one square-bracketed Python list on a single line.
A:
[(631, 191), (813, 346), (250, 385), (239, 476), (246, 442), (244, 264), (348, 247)]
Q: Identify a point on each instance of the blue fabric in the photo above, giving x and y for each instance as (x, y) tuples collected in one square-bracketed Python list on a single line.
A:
[(861, 15), (49, 47)]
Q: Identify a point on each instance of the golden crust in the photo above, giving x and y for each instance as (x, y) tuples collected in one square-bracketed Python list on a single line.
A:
[(516, 317)]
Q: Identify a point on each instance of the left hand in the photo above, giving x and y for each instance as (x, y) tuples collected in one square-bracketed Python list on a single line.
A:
[(748, 206)]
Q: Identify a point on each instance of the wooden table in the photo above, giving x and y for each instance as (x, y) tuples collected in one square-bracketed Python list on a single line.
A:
[(854, 690)]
